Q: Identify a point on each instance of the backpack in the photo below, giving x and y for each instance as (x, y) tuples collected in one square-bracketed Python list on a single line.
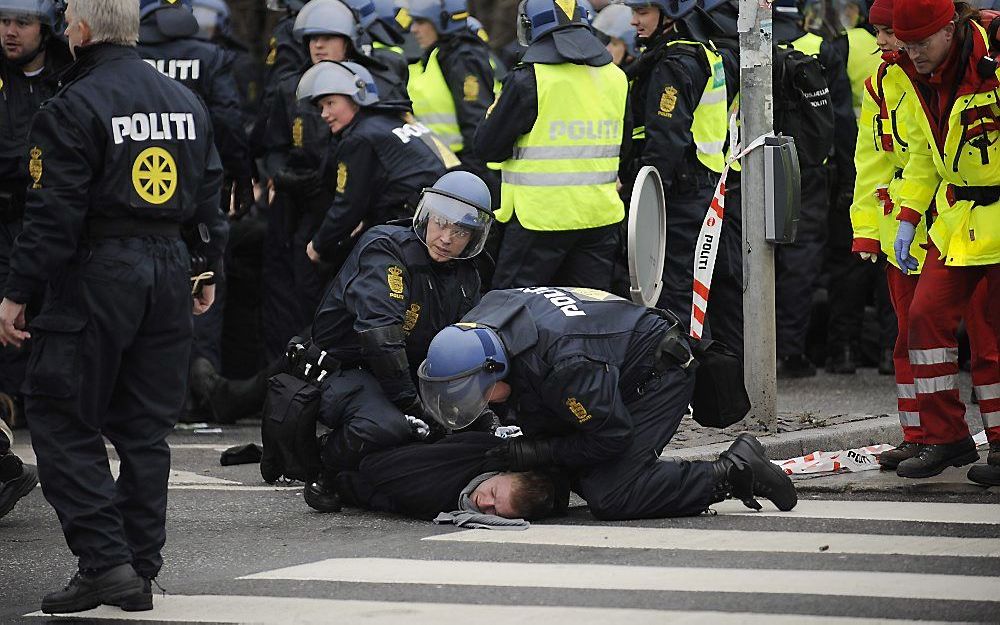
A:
[(802, 106)]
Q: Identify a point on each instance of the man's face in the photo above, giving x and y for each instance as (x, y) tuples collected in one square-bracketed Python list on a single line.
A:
[(337, 111), (886, 38), (646, 21), (327, 48), (21, 35), (494, 496), (424, 32), (929, 54), (445, 240)]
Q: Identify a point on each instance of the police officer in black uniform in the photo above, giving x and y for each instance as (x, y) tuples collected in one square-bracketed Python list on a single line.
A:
[(599, 386), (125, 163), (33, 56), (215, 25)]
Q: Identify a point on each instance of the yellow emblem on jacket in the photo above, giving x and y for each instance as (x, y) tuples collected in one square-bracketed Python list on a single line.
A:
[(297, 132), (668, 101), (341, 177), (578, 410), (272, 52), (35, 167), (411, 317), (471, 88), (394, 277)]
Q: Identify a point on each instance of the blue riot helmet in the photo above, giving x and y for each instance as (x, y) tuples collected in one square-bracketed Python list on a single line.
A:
[(337, 78), (671, 9), (476, 28), (373, 23), (285, 5), (364, 11), (463, 365), (536, 18), (327, 17), (588, 11), (173, 18), (48, 12), (454, 216), (615, 20), (448, 16), (386, 9), (213, 17)]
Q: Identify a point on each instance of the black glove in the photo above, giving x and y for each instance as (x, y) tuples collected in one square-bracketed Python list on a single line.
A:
[(521, 454), (245, 201)]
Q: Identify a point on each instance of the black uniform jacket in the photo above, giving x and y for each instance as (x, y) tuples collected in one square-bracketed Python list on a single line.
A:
[(295, 136), (380, 167), (576, 357), (20, 97), (390, 280), (418, 480), (119, 140), (206, 69)]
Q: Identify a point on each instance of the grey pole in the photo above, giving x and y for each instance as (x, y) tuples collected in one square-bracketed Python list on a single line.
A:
[(756, 115)]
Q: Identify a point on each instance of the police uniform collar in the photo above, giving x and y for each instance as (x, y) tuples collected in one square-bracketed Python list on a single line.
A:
[(97, 53), (568, 45)]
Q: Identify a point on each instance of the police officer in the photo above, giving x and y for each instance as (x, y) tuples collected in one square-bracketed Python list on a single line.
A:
[(614, 26), (381, 38), (798, 264), (679, 102), (558, 127), (285, 55), (599, 386), (123, 161), (33, 55), (214, 24), (452, 84), (380, 167)]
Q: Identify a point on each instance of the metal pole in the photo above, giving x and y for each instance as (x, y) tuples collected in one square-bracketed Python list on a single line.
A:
[(756, 115)]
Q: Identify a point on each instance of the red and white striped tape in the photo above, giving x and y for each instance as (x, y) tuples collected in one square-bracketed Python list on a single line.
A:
[(706, 251)]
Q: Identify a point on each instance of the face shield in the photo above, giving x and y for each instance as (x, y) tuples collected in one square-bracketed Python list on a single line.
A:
[(456, 401), (523, 25), (208, 22), (451, 227)]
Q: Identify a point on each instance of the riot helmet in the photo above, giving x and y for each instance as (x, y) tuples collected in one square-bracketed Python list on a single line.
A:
[(213, 18), (615, 20), (463, 365), (536, 18), (50, 16), (337, 78), (448, 16), (173, 18), (327, 17), (454, 216), (670, 9), (285, 5)]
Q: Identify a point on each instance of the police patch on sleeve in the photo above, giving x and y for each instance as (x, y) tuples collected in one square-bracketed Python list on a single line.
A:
[(35, 167), (272, 52), (394, 277), (668, 102), (470, 88), (341, 177), (411, 317), (297, 132), (578, 410)]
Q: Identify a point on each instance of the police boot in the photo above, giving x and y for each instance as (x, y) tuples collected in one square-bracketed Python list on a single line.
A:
[(890, 459), (230, 399), (931, 460), (86, 591), (841, 360), (743, 472), (140, 601), (988, 474), (23, 481), (321, 495), (795, 366)]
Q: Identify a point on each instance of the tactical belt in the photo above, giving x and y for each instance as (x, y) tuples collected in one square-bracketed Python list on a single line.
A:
[(979, 195), (123, 227)]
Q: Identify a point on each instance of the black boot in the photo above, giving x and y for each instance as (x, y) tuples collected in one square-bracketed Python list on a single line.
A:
[(889, 460), (988, 474), (886, 362), (321, 495), (14, 489), (743, 472), (86, 592), (797, 366), (933, 459), (841, 360), (230, 400), (140, 601)]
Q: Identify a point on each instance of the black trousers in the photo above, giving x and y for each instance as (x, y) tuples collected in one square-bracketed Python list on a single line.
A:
[(12, 360), (798, 264), (109, 357), (583, 258), (639, 485)]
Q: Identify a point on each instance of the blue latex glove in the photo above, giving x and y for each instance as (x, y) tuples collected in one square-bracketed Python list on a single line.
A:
[(904, 239)]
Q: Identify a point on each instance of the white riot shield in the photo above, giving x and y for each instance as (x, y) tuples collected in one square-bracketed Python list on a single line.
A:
[(647, 237)]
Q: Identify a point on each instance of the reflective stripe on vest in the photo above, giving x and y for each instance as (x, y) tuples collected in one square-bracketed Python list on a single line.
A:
[(562, 174), (433, 103), (710, 125)]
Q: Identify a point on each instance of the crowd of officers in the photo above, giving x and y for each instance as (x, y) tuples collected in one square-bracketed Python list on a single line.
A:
[(338, 202)]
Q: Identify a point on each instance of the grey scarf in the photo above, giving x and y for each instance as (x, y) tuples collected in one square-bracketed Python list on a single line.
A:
[(469, 516)]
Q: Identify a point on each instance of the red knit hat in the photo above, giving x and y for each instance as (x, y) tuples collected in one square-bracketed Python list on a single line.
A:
[(915, 20), (881, 13)]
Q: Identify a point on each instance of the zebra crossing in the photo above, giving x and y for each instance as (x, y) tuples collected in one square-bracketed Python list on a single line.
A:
[(834, 560)]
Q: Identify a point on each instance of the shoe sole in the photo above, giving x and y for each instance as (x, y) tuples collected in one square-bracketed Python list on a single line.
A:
[(115, 596), (957, 461), (753, 442), (22, 490), (311, 500), (987, 475)]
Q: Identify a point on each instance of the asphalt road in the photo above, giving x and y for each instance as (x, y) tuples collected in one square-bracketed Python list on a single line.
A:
[(854, 557)]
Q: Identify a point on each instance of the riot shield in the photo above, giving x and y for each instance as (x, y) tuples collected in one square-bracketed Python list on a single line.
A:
[(647, 237)]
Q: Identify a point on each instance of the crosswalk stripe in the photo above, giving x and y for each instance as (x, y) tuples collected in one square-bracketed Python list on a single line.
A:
[(875, 510), (732, 540), (302, 611), (619, 577)]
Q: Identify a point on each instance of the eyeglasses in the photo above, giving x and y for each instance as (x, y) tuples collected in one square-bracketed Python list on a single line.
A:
[(919, 46), (455, 230)]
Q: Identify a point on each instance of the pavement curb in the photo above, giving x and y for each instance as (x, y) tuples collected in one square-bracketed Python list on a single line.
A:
[(880, 429)]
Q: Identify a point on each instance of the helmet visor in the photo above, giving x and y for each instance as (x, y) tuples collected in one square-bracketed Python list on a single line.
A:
[(523, 25), (449, 226), (457, 401)]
